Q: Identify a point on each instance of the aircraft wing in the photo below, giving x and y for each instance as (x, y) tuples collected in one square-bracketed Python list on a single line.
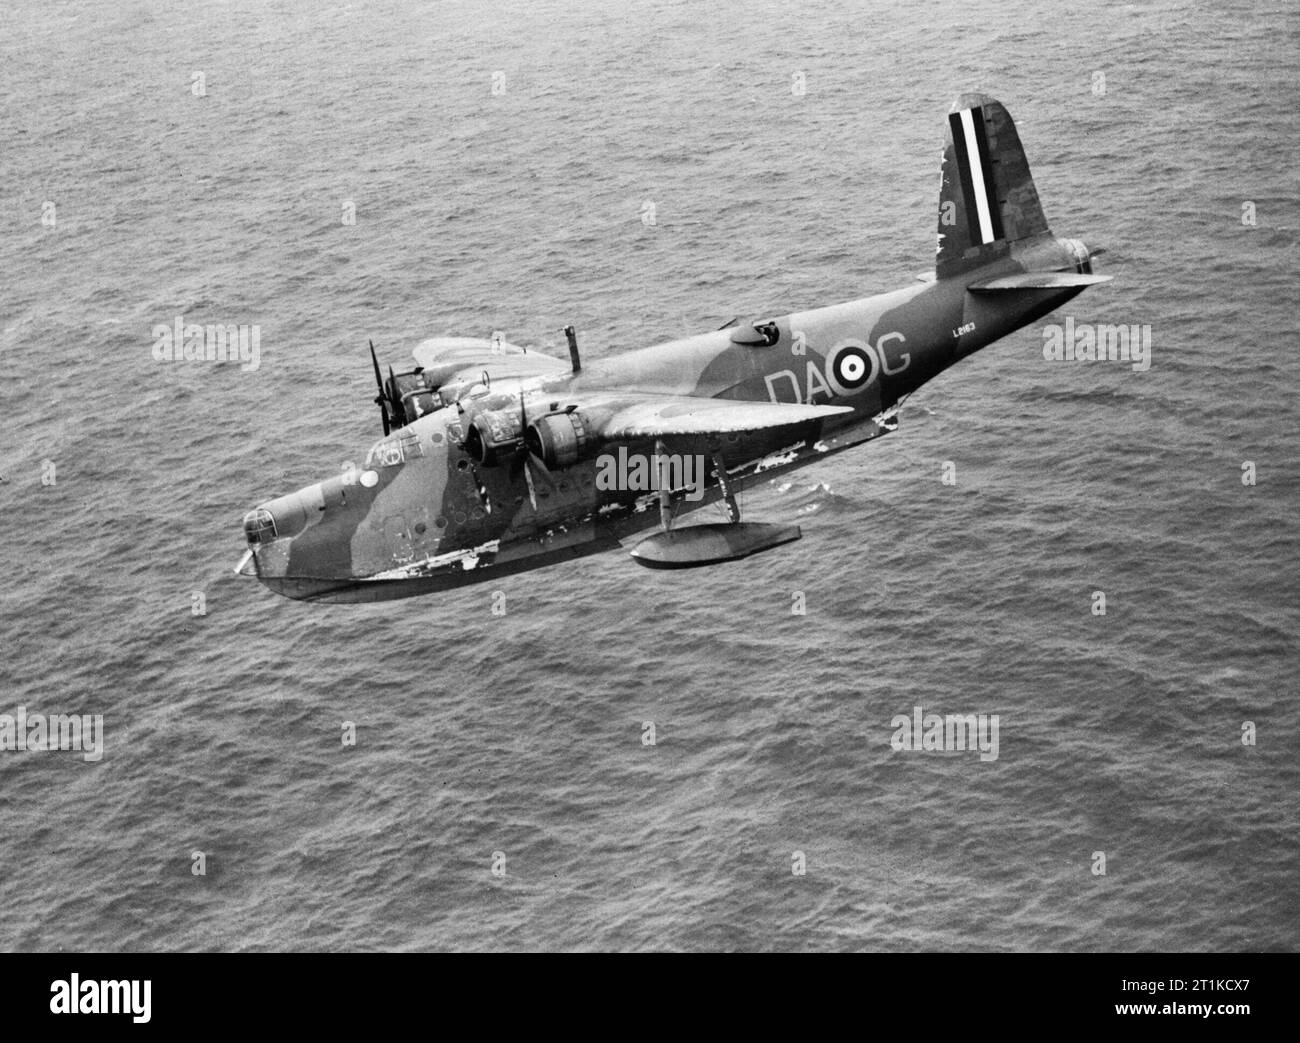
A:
[(446, 359), (664, 415), (1037, 281)]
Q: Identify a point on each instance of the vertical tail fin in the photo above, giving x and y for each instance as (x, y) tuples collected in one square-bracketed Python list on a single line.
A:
[(987, 198)]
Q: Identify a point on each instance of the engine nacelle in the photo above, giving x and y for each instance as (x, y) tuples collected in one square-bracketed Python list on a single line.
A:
[(560, 439), (494, 435), (410, 396)]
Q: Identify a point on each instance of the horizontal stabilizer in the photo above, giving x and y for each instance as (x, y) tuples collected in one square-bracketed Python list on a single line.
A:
[(1037, 281)]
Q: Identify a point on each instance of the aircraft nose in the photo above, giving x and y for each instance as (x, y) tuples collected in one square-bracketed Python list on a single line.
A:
[(301, 544), (325, 541), (269, 530), (283, 517)]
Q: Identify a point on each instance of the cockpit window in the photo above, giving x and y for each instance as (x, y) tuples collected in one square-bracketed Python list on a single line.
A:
[(385, 453), (395, 449), (757, 334)]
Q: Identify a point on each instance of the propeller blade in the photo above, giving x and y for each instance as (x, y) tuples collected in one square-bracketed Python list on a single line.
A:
[(375, 359), (540, 464), (528, 478), (380, 400)]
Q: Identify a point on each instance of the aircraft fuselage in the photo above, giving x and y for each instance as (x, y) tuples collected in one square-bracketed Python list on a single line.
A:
[(422, 515)]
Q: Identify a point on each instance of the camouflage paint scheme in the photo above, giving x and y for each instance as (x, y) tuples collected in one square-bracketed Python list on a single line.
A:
[(422, 515)]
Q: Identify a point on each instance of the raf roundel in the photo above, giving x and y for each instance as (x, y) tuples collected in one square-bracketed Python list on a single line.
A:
[(850, 367)]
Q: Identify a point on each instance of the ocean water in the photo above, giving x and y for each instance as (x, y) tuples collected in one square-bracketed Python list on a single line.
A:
[(477, 734)]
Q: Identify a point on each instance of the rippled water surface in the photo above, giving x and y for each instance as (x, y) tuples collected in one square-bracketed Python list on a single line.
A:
[(522, 734)]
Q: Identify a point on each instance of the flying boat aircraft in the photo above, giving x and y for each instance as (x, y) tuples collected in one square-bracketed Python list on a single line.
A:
[(497, 459)]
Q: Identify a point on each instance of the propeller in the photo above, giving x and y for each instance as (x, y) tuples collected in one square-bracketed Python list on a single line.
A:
[(527, 459), (381, 400)]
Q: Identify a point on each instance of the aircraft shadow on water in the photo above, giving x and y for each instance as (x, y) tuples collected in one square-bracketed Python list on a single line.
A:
[(497, 459)]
